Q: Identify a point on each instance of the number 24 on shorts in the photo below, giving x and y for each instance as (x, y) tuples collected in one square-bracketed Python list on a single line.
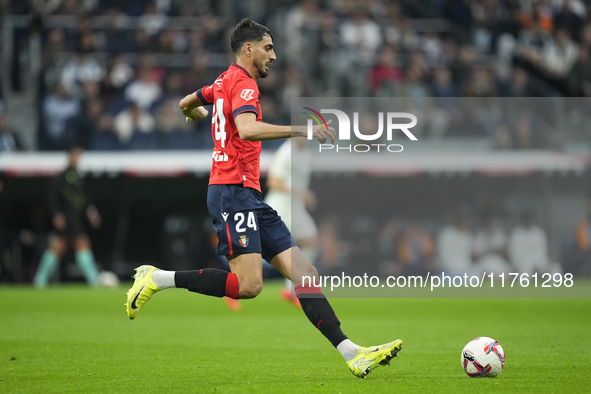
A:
[(250, 221)]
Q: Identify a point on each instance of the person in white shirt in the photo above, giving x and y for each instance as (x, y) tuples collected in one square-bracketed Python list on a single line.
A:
[(290, 195), (490, 247), (454, 246), (528, 247)]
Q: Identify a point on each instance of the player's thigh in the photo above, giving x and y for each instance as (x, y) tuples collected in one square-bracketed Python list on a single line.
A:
[(58, 245), (82, 242), (274, 235), (249, 270), (293, 265)]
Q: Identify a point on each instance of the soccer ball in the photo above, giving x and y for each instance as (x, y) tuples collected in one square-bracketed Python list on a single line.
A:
[(483, 357), (108, 279)]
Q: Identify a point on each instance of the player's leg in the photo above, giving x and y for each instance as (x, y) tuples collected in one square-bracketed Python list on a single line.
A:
[(361, 360), (292, 264), (85, 259), (309, 249), (305, 233), (246, 278), (207, 281), (50, 260), (236, 239)]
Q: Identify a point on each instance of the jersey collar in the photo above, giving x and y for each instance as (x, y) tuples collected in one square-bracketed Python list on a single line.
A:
[(242, 68)]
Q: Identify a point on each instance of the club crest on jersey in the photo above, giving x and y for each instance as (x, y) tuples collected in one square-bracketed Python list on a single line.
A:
[(243, 241), (247, 94)]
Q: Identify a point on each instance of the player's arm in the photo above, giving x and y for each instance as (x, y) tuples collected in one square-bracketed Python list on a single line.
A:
[(192, 108), (251, 130), (275, 183)]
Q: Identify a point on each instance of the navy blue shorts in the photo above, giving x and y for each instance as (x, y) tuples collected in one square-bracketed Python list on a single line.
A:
[(244, 223)]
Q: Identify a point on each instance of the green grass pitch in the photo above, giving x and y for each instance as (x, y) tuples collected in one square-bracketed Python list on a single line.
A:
[(74, 339)]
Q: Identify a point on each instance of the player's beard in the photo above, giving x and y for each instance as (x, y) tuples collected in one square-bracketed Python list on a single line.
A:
[(261, 69)]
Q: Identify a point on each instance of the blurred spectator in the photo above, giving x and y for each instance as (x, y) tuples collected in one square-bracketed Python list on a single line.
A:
[(524, 131), (442, 85), (82, 127), (302, 17), (579, 76), (502, 139), (68, 7), (414, 86), (386, 248), (83, 68), (292, 89), (481, 84), (9, 141), (144, 91), (152, 21), (58, 107), (120, 72), (361, 36), (559, 55), (463, 65), (105, 137), (570, 17), (580, 261), (454, 246), (201, 72), (51, 63), (116, 36), (90, 91), (416, 249), (532, 41), (431, 45), (490, 246), (169, 119), (528, 247), (143, 42), (386, 72), (131, 121), (518, 85)]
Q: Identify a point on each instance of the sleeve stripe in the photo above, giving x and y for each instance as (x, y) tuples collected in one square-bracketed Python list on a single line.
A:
[(201, 98), (245, 108)]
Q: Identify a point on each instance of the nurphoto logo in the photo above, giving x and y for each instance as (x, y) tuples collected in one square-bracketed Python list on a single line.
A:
[(344, 130)]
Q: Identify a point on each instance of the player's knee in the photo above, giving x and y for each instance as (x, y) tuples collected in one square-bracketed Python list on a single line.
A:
[(311, 271), (82, 243), (304, 273), (250, 289), (58, 246)]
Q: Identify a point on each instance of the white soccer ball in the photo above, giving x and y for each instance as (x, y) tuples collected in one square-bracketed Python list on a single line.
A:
[(483, 357), (108, 279)]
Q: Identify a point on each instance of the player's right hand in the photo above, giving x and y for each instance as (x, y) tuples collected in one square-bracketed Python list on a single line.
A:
[(322, 134), (195, 114), (59, 221)]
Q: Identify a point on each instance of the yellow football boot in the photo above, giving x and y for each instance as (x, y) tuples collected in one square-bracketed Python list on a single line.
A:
[(372, 357), (142, 290)]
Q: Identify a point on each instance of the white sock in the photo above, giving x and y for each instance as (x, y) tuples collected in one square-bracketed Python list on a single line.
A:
[(348, 349), (288, 285), (163, 279)]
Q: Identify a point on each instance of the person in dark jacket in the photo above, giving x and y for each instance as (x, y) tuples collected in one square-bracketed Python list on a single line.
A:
[(69, 205)]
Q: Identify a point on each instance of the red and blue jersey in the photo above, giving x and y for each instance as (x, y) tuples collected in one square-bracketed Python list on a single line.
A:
[(234, 161)]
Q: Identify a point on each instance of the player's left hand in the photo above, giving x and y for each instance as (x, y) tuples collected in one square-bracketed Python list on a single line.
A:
[(195, 114), (322, 133), (94, 218)]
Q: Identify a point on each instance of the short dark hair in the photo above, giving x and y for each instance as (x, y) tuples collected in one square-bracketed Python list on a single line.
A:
[(247, 30)]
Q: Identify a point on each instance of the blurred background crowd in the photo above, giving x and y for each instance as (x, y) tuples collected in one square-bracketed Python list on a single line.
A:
[(108, 75)]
